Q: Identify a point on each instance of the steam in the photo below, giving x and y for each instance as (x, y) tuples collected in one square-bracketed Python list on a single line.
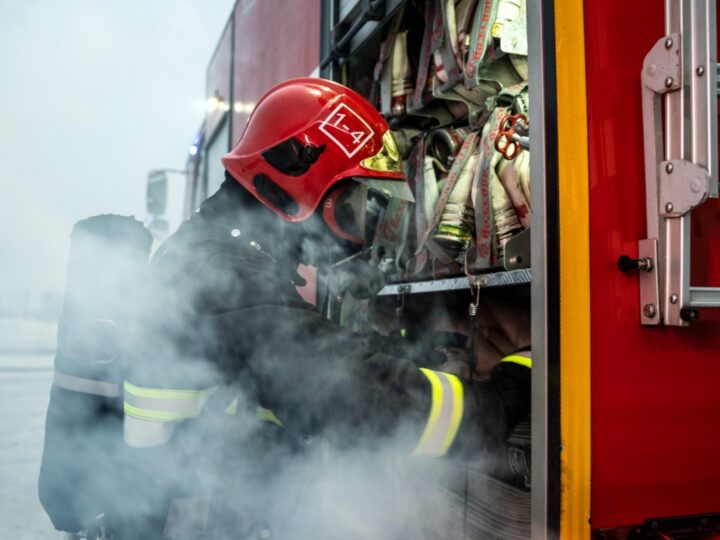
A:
[(339, 466)]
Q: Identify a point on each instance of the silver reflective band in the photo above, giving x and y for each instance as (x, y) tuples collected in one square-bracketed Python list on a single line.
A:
[(446, 413), (85, 386), (164, 404), (140, 433), (152, 413)]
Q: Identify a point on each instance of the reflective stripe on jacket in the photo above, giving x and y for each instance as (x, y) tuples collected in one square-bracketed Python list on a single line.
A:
[(523, 358), (446, 412), (85, 385), (152, 413), (447, 407)]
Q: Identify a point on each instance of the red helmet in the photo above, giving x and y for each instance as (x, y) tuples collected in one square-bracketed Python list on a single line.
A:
[(305, 136)]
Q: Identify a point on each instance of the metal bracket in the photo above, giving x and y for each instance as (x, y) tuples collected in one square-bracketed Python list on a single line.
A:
[(683, 186), (649, 285), (661, 67), (517, 251), (679, 105)]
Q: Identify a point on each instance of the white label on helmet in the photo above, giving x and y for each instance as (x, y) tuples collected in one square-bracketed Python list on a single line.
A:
[(347, 129)]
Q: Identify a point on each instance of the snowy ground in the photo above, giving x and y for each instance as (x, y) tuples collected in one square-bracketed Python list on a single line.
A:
[(25, 378)]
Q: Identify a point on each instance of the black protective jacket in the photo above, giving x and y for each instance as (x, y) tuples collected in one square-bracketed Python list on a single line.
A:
[(227, 301), (226, 312)]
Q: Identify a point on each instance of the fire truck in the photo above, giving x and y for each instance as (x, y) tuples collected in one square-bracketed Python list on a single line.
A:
[(608, 241)]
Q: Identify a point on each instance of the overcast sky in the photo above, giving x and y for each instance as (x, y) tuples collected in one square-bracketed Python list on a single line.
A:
[(93, 94)]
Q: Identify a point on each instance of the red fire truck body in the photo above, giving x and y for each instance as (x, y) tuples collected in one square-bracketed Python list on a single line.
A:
[(653, 389), (625, 415)]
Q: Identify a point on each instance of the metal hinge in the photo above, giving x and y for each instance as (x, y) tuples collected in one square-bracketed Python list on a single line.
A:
[(680, 74)]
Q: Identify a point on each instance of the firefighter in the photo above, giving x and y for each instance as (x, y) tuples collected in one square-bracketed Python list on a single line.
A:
[(227, 331)]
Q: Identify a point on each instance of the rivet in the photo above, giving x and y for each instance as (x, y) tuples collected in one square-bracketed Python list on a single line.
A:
[(235, 233), (668, 82), (669, 207), (700, 71), (649, 310), (668, 43), (669, 168), (696, 184), (652, 69), (673, 298)]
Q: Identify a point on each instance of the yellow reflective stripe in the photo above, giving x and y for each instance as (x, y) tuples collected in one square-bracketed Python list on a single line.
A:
[(163, 404), (261, 413), (446, 410), (437, 396), (160, 416), (517, 359), (166, 393), (457, 411), (266, 415), (232, 408)]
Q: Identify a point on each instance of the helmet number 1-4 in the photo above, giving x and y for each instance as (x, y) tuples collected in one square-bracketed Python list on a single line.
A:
[(347, 129)]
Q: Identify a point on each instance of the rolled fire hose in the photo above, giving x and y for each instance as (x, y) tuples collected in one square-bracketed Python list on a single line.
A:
[(401, 86), (511, 182), (522, 167), (464, 15), (454, 232)]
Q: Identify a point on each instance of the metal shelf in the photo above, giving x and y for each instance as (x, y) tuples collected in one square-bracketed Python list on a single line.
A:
[(494, 279)]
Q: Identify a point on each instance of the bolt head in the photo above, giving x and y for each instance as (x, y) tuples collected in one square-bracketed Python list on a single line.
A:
[(669, 168), (235, 233), (673, 298), (669, 207), (700, 71), (668, 82), (649, 310), (668, 43)]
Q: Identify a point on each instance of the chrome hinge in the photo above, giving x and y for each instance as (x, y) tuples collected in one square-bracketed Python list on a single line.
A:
[(679, 100)]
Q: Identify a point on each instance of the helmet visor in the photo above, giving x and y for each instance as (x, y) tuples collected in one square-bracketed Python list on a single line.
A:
[(387, 159)]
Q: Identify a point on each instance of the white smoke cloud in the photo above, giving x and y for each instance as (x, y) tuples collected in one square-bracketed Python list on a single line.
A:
[(93, 95), (328, 473)]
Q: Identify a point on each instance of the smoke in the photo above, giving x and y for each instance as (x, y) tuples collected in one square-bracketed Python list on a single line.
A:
[(93, 95), (219, 310)]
